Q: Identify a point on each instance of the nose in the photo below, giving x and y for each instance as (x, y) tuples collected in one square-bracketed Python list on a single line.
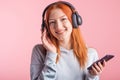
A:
[(59, 25)]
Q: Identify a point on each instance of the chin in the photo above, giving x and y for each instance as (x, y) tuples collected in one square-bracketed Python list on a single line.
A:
[(60, 38)]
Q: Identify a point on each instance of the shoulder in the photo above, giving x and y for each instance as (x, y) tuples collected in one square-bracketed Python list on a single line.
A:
[(38, 48), (38, 53), (92, 55), (92, 51)]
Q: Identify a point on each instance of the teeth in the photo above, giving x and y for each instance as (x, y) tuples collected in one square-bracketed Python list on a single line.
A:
[(59, 32)]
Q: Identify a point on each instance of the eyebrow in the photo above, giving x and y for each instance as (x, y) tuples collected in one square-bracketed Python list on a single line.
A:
[(59, 17)]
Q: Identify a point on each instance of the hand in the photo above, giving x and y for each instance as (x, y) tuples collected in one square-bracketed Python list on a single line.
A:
[(47, 42), (97, 68)]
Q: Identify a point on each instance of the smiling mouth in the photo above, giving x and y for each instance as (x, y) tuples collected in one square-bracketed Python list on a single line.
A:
[(60, 32)]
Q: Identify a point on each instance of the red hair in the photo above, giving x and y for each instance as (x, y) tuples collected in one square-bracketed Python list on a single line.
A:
[(79, 47)]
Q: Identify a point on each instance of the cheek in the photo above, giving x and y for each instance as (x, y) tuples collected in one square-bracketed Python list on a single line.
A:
[(70, 27), (70, 30), (68, 24), (52, 30)]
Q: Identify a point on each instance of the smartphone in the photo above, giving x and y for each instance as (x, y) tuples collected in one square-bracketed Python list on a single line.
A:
[(106, 58)]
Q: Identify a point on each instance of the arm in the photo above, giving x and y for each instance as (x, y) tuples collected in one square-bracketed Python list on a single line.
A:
[(91, 77), (43, 67), (92, 57)]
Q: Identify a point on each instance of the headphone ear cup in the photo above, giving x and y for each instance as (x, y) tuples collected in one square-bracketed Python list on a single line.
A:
[(74, 20), (43, 25), (79, 19)]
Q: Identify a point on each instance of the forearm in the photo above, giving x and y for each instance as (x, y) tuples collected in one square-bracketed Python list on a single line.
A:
[(91, 77), (48, 71)]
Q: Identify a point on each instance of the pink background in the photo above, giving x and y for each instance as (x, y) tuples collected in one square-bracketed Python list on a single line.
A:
[(20, 22)]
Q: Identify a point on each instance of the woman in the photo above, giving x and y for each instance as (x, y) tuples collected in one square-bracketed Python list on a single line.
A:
[(63, 55)]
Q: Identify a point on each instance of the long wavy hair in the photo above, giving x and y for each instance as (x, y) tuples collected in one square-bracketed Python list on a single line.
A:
[(79, 46)]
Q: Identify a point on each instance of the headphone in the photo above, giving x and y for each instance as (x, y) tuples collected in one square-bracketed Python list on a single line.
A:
[(76, 18)]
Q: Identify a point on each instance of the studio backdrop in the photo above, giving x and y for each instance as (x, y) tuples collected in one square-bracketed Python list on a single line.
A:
[(20, 24)]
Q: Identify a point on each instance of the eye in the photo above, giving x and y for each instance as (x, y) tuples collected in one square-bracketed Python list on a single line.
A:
[(64, 19), (51, 23)]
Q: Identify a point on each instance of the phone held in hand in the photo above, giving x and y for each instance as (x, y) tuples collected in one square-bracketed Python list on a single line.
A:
[(106, 58)]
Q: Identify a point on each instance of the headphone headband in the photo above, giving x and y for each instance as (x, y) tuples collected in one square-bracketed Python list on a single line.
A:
[(64, 2)]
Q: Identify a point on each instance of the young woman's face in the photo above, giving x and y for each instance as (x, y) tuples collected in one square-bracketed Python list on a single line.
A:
[(59, 24)]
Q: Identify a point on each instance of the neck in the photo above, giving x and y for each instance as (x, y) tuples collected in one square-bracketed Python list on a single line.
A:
[(66, 43)]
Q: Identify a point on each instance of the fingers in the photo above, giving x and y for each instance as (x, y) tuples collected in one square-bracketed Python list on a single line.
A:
[(97, 68), (101, 65), (47, 42), (104, 63), (45, 38)]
